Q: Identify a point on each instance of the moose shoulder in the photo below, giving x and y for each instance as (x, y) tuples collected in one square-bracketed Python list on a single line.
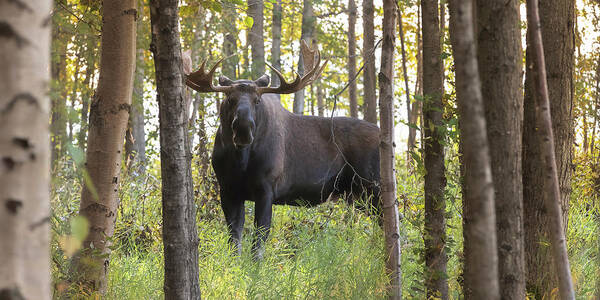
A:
[(266, 154)]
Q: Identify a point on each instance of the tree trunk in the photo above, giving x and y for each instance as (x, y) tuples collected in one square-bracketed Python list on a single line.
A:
[(87, 93), (320, 104), (411, 141), (58, 124), (74, 91), (135, 141), (386, 149), (352, 58), (276, 47), (109, 113), (417, 107), (369, 85), (557, 20), (256, 38), (179, 215), (230, 34), (552, 193), (435, 180), (25, 150), (479, 231), (500, 62), (308, 28)]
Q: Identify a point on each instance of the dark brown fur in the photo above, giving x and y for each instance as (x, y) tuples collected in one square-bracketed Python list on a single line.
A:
[(283, 158)]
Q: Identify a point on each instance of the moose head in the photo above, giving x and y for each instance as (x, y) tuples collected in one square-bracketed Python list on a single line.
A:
[(238, 112)]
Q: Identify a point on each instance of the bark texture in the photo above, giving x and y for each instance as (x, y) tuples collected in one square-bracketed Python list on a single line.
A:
[(256, 38), (25, 150), (276, 47), (230, 34), (386, 149), (557, 21), (552, 194), (180, 235), (352, 58), (480, 252), (411, 142), (369, 85), (500, 62), (135, 138), (109, 112), (435, 179), (308, 29)]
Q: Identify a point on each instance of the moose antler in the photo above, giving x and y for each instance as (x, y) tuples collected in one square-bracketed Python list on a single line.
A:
[(202, 81), (313, 70)]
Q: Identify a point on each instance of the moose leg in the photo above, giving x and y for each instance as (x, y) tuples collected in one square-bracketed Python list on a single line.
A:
[(233, 207), (262, 221)]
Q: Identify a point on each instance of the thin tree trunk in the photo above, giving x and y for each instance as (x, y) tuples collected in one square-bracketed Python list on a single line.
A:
[(480, 252), (135, 141), (416, 113), (369, 85), (230, 34), (86, 95), (74, 92), (58, 124), (25, 150), (557, 19), (320, 104), (109, 113), (386, 149), (500, 63), (276, 47), (308, 28), (352, 58), (552, 192), (411, 139), (435, 180), (179, 215), (256, 38)]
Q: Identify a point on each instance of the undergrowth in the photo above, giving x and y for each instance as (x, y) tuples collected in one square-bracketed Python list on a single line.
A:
[(331, 251)]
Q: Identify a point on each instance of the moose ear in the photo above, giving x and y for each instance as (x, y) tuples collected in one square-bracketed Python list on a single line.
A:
[(263, 81), (224, 81)]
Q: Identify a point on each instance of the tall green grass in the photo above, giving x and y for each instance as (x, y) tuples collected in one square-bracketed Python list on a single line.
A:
[(331, 251)]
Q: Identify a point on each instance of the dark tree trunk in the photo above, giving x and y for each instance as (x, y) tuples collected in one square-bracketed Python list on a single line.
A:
[(352, 58), (135, 138), (386, 150), (109, 113), (435, 180), (276, 47), (25, 149), (552, 194), (308, 28), (480, 252), (256, 38), (500, 62), (179, 215), (369, 85), (557, 20)]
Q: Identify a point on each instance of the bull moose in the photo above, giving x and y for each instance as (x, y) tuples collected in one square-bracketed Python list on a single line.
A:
[(266, 154)]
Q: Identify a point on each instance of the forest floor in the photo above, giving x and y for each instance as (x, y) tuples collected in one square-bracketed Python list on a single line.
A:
[(331, 251)]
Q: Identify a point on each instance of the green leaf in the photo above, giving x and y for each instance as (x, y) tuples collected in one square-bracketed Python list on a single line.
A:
[(79, 228), (248, 21)]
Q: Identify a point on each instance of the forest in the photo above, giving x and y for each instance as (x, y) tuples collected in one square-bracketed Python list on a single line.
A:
[(298, 149)]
